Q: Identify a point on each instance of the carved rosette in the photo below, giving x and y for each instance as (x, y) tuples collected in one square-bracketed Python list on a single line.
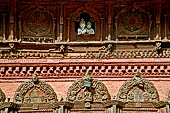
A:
[(2, 96), (35, 91), (37, 23), (138, 89), (132, 21), (88, 89)]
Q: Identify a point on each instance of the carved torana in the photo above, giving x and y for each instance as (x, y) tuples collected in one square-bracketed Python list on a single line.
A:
[(138, 89), (88, 89), (35, 91)]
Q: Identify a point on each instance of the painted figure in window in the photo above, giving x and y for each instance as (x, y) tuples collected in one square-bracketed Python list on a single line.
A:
[(82, 29), (90, 30)]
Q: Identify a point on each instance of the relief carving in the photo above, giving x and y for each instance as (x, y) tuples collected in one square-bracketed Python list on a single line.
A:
[(34, 91), (37, 24), (133, 22), (2, 96), (138, 89), (88, 89)]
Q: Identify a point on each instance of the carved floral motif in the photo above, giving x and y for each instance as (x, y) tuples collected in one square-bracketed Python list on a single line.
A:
[(88, 89), (37, 23), (132, 21), (28, 92), (138, 89)]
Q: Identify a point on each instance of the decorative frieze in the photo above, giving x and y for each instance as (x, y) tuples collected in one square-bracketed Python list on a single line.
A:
[(102, 70), (101, 54)]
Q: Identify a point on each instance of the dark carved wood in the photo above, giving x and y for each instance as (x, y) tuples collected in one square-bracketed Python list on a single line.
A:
[(35, 91), (89, 90), (138, 89), (40, 36), (2, 96), (43, 26)]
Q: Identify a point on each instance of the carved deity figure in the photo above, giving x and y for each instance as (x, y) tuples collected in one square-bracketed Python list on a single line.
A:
[(85, 29), (35, 78), (90, 30), (82, 29)]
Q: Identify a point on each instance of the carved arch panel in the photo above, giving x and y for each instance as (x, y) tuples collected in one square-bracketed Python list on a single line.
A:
[(138, 89), (35, 91), (88, 89)]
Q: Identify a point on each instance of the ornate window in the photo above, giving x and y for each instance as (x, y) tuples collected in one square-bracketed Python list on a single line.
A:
[(84, 25), (138, 89)]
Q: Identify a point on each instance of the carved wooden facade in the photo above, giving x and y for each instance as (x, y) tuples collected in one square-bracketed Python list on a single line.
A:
[(49, 28), (42, 37)]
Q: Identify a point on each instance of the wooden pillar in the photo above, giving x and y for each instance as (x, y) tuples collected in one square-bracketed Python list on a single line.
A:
[(20, 28), (109, 23), (167, 107), (12, 12), (150, 24), (61, 109), (61, 23), (4, 26), (158, 20), (6, 110), (101, 30), (116, 28), (68, 30), (54, 26), (113, 109), (2, 111), (166, 37)]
